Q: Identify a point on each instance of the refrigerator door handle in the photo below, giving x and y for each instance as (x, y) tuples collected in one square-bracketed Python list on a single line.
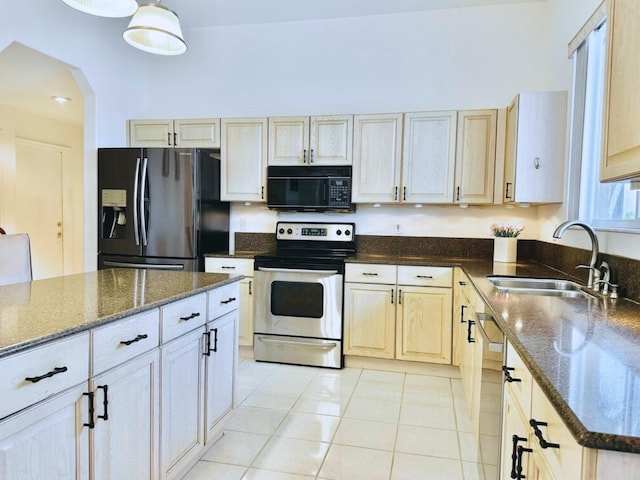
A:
[(136, 186), (143, 190)]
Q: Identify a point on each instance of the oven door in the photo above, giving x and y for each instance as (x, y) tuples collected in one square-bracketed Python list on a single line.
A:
[(298, 302)]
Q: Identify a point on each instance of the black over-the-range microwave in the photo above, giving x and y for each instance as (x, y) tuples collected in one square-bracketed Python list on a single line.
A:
[(309, 189)]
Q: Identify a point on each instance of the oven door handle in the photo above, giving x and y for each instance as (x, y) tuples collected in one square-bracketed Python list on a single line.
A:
[(323, 346), (297, 270)]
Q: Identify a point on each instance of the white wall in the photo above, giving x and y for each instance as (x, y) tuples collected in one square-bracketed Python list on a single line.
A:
[(443, 59)]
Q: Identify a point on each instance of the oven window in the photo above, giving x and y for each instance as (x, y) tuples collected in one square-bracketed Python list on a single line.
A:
[(297, 299)]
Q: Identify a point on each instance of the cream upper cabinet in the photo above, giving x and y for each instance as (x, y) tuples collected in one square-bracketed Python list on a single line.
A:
[(621, 146), (313, 141), (377, 149), (428, 157), (244, 159), (475, 156), (188, 133), (535, 148)]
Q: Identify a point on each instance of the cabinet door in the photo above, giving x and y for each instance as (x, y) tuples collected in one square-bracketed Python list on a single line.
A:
[(125, 437), (475, 156), (423, 331), (513, 424), (197, 133), (47, 441), (377, 146), (181, 402), (428, 159), (369, 311), (151, 133), (540, 141), (331, 140), (621, 148), (510, 146), (289, 141), (245, 312), (243, 148), (220, 370)]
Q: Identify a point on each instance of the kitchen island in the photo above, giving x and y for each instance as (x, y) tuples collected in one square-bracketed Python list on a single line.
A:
[(94, 366)]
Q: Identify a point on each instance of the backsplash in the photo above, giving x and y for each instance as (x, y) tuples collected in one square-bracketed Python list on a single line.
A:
[(624, 271)]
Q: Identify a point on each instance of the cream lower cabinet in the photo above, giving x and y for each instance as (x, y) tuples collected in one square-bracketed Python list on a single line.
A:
[(239, 266), (221, 351), (198, 370), (47, 441), (124, 391), (125, 436), (391, 313)]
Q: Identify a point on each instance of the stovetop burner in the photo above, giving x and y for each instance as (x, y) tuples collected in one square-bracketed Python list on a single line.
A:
[(310, 244)]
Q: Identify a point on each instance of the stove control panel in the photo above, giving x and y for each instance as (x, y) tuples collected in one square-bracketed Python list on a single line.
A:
[(334, 232)]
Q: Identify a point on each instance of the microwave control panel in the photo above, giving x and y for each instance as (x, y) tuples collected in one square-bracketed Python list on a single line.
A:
[(339, 192)]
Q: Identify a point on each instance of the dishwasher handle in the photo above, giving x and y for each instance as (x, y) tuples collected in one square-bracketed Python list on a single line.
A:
[(492, 345)]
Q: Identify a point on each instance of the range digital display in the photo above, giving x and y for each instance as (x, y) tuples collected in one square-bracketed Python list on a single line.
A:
[(314, 232)]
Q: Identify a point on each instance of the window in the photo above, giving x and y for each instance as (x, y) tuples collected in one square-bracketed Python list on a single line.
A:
[(603, 205)]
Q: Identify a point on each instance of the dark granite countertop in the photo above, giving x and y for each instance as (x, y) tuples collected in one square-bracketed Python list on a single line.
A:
[(35, 312), (583, 352)]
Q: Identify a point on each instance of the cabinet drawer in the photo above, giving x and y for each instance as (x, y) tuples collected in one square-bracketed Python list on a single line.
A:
[(520, 390), (124, 339), (370, 273), (224, 300), (235, 266), (425, 276), (38, 373), (183, 316), (564, 462)]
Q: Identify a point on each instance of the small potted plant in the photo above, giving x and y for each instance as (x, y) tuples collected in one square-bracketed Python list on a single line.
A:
[(505, 244)]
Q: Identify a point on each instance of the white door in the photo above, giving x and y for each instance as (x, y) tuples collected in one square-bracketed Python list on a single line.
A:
[(39, 205)]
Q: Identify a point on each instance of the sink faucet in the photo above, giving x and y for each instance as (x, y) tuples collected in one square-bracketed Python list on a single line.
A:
[(594, 273)]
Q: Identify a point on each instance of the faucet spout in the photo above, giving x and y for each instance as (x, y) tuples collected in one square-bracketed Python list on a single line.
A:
[(594, 273)]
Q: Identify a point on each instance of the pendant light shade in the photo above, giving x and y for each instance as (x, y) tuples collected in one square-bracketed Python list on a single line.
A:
[(155, 29), (105, 8)]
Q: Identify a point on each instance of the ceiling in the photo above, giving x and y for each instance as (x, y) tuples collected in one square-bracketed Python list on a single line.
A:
[(206, 13), (29, 78)]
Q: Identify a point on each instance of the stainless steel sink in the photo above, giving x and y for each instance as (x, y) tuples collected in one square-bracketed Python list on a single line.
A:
[(539, 286)]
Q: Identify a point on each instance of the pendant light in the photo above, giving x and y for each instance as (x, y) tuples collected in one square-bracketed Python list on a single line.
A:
[(105, 8), (155, 29)]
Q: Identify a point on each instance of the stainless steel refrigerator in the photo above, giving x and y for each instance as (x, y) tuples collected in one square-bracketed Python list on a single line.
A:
[(160, 208)]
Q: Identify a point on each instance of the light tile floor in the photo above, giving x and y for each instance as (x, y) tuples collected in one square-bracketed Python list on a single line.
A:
[(296, 423)]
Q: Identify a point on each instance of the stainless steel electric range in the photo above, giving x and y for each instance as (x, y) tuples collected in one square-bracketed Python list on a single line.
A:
[(299, 294)]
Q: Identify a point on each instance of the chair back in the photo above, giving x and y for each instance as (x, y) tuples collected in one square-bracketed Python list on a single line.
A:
[(15, 259)]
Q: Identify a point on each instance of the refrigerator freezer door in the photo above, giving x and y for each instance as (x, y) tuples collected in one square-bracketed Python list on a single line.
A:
[(169, 196), (118, 200)]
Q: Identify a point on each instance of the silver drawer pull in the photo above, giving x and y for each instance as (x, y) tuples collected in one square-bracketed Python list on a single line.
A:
[(50, 374), (322, 346)]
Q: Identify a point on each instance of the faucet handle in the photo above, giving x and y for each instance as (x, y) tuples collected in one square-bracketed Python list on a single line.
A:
[(593, 278), (604, 267), (605, 288)]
